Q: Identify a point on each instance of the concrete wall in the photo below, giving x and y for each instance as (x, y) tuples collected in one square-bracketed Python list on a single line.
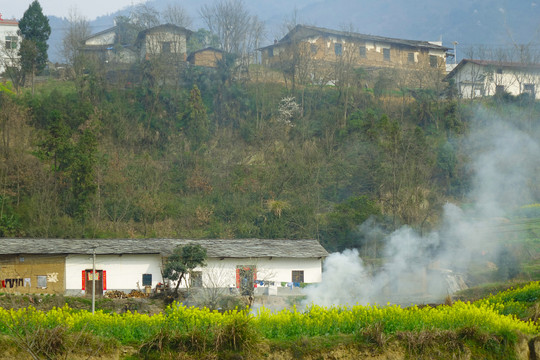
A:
[(107, 38), (153, 44), (8, 55), (222, 273), (19, 274), (474, 80), (123, 272)]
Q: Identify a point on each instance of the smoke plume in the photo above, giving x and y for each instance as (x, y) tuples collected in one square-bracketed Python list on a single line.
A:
[(505, 167)]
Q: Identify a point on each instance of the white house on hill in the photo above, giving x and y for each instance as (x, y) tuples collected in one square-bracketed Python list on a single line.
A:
[(9, 43), (478, 78), (64, 266)]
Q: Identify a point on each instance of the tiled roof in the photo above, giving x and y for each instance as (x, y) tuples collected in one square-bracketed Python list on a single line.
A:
[(217, 248), (304, 31)]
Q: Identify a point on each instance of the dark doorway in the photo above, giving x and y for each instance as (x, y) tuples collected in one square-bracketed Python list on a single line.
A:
[(245, 279), (89, 282)]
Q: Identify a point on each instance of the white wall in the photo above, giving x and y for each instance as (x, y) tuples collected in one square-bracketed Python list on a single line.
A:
[(222, 273), (123, 272), (474, 80), (7, 55), (103, 39)]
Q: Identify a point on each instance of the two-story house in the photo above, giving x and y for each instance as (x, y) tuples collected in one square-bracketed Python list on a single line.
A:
[(314, 49), (118, 45), (9, 43), (478, 78)]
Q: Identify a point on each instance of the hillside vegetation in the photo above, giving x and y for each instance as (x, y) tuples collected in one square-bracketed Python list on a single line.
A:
[(219, 157)]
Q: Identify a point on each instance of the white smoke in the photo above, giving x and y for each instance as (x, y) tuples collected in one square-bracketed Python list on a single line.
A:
[(505, 163)]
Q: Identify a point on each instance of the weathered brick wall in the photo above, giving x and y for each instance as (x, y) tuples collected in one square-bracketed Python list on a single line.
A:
[(207, 58), (19, 274)]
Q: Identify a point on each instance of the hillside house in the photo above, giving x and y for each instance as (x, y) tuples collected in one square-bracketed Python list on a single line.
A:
[(120, 46), (9, 43), (163, 40), (64, 266), (478, 78), (319, 51), (111, 46), (207, 57)]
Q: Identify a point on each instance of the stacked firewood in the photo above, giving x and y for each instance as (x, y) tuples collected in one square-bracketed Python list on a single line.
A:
[(116, 294)]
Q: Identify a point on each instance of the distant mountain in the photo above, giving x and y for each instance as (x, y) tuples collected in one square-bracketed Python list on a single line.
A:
[(472, 23)]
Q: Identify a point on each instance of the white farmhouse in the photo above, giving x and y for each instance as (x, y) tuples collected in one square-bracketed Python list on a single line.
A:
[(478, 78), (9, 43), (64, 266)]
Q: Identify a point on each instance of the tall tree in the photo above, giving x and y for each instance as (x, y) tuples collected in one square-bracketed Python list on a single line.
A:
[(196, 122), (78, 29), (34, 27), (230, 21)]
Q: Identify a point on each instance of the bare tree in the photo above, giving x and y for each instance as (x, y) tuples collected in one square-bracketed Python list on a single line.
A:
[(177, 15), (144, 16), (77, 30), (235, 28)]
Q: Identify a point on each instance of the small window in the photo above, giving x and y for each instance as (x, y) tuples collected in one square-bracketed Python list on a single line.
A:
[(499, 90), (433, 61), (166, 47), (42, 281), (313, 48), (338, 49), (499, 71), (271, 52), (298, 276), (195, 279), (528, 89), (363, 51), (410, 58), (386, 54), (11, 42), (147, 279)]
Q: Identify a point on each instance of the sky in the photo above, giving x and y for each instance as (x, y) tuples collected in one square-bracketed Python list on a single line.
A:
[(61, 8)]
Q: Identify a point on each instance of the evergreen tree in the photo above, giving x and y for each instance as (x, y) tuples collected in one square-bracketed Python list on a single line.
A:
[(35, 29), (196, 122)]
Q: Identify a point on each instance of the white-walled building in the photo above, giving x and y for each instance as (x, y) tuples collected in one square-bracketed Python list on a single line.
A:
[(65, 265), (9, 43), (478, 78)]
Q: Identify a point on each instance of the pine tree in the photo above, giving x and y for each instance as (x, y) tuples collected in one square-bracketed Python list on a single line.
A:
[(35, 30)]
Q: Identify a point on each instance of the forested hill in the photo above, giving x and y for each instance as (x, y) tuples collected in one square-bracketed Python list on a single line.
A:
[(219, 157)]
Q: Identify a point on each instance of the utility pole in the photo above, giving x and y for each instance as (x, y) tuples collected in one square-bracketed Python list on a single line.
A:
[(93, 281)]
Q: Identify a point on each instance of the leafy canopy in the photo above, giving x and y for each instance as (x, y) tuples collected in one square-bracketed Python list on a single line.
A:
[(35, 28), (183, 260)]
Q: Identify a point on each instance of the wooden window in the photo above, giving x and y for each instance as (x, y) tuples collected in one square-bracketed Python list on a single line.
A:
[(11, 42), (386, 54), (313, 48), (271, 52), (410, 58), (166, 47), (499, 71), (499, 90), (298, 276), (363, 51), (195, 279), (433, 61), (338, 49), (147, 279)]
